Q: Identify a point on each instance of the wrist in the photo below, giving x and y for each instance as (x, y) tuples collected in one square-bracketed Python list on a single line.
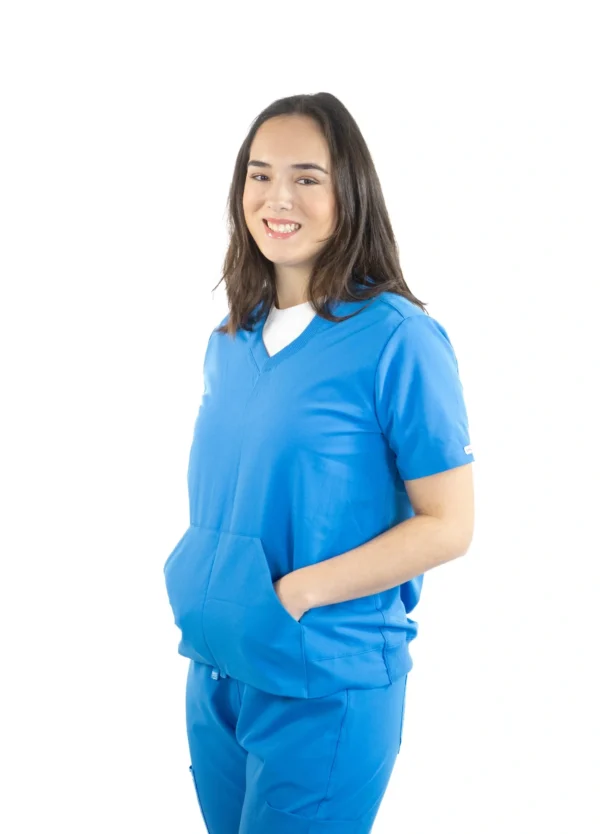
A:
[(302, 589)]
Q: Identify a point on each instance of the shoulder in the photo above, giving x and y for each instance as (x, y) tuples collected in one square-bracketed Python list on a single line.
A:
[(391, 314), (408, 335), (396, 308)]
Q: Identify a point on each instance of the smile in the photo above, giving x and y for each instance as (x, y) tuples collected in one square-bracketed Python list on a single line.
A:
[(280, 235)]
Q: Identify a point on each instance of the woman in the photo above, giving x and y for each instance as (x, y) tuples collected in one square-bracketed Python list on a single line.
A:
[(329, 469)]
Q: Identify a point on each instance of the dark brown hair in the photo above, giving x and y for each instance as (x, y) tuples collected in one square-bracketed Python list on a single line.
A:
[(362, 245)]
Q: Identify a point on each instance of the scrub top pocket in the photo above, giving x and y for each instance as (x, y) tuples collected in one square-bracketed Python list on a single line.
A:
[(251, 635), (187, 571)]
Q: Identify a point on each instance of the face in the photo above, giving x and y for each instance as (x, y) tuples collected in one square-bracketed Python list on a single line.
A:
[(276, 190)]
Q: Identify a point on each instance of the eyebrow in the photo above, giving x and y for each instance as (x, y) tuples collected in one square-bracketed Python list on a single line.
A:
[(303, 166)]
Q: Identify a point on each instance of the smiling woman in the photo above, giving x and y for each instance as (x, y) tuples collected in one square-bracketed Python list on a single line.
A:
[(331, 399), (305, 161), (268, 197)]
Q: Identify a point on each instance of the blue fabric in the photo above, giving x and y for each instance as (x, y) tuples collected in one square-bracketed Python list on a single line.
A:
[(289, 765), (299, 457)]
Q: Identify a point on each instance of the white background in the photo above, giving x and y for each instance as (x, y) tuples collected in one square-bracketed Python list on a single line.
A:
[(120, 126)]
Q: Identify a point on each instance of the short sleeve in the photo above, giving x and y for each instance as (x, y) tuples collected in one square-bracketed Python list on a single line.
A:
[(419, 399)]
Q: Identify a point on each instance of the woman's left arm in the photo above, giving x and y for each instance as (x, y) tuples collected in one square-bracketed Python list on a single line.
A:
[(441, 530)]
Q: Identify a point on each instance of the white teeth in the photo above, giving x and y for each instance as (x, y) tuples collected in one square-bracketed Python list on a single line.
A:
[(287, 227)]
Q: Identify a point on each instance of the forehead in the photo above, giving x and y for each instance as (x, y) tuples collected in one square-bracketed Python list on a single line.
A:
[(289, 139)]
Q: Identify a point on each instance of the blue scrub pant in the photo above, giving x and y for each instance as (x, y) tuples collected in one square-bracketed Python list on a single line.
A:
[(271, 764)]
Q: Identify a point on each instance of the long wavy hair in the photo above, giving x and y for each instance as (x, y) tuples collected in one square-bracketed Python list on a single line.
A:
[(360, 260)]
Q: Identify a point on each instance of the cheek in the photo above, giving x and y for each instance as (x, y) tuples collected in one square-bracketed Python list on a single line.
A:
[(250, 205), (327, 214), (247, 212)]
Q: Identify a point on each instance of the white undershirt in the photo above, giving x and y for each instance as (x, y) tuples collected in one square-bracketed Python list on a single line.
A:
[(283, 326)]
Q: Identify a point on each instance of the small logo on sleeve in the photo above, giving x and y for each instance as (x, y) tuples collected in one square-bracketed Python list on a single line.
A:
[(468, 449)]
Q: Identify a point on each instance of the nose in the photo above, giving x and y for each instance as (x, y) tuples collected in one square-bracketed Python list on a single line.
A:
[(278, 195), (275, 206)]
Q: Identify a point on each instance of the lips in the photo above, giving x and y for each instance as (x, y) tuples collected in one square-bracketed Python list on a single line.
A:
[(280, 221), (279, 235)]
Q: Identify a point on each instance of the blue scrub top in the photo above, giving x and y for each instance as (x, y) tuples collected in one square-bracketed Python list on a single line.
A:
[(299, 457)]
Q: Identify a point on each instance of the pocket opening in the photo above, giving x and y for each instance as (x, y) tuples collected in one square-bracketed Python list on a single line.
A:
[(311, 825), (251, 634)]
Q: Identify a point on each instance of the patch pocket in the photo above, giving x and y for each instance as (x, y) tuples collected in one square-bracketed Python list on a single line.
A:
[(272, 819), (251, 635), (187, 572)]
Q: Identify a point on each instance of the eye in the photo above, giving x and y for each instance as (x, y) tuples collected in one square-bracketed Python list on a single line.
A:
[(307, 179)]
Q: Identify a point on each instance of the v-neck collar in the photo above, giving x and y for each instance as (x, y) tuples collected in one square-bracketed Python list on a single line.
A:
[(317, 324), (266, 362)]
